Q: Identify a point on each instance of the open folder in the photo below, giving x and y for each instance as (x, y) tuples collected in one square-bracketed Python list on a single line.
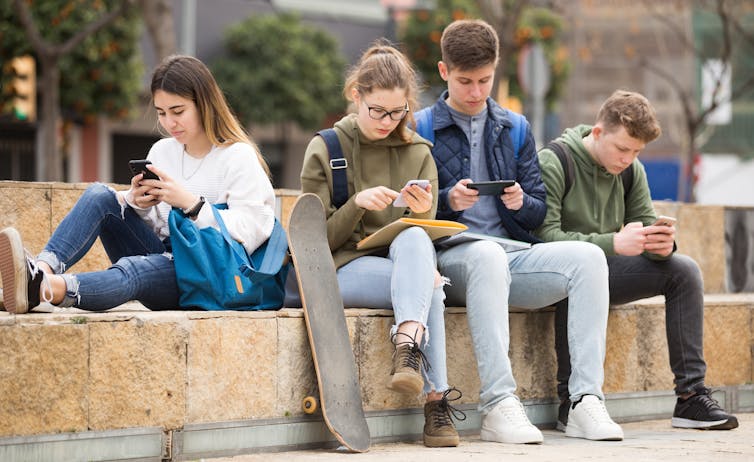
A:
[(436, 229)]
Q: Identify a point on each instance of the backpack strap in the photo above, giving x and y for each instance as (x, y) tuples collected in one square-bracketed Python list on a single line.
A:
[(566, 161), (424, 124), (517, 132), (627, 176), (338, 164)]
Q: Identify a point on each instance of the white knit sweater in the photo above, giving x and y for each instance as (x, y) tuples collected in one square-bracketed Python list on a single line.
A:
[(229, 175)]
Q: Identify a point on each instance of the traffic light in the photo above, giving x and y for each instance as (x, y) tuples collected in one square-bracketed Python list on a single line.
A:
[(22, 88)]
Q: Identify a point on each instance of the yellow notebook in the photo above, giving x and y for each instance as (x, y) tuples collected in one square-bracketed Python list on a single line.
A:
[(434, 228)]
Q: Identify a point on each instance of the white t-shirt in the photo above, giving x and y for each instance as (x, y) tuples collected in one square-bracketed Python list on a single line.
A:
[(229, 175)]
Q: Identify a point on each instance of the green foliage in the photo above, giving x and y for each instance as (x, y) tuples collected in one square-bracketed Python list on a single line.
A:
[(421, 38), (542, 26), (422, 32), (101, 75), (278, 69)]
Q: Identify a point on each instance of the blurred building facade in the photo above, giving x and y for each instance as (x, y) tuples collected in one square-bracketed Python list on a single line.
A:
[(607, 41)]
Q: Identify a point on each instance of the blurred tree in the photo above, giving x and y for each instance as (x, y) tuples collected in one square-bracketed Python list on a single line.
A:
[(421, 34), (728, 38), (86, 61), (542, 26), (158, 18), (517, 24), (278, 70)]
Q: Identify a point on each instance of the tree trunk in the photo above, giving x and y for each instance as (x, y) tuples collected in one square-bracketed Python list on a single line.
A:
[(158, 17), (52, 162)]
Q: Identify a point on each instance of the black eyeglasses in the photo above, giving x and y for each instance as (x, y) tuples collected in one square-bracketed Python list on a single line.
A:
[(378, 113)]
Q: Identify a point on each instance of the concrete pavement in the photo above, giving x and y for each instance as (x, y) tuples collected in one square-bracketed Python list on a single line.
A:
[(650, 441)]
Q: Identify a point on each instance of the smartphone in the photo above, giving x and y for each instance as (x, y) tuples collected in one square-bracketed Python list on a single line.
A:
[(140, 166), (494, 188), (662, 220), (400, 201)]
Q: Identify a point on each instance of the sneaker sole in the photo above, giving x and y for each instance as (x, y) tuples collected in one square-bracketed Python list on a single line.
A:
[(441, 441), (406, 383), (572, 432), (13, 270), (727, 424), (490, 435)]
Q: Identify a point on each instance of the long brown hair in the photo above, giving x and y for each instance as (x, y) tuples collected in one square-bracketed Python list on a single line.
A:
[(383, 67), (189, 78)]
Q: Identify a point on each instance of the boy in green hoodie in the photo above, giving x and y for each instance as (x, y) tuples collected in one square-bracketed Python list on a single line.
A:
[(596, 207)]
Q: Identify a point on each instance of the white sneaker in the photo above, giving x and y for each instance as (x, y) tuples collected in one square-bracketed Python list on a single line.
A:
[(590, 420), (507, 423)]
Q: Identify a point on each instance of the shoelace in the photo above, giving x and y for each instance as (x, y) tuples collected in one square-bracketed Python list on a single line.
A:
[(598, 411), (46, 293), (410, 358), (519, 411), (442, 416), (706, 400)]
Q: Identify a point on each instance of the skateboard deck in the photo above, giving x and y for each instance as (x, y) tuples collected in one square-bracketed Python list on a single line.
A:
[(334, 362)]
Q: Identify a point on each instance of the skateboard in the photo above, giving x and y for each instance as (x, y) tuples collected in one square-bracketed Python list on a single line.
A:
[(334, 362)]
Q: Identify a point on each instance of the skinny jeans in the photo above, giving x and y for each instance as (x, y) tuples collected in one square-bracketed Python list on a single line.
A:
[(142, 269), (404, 281)]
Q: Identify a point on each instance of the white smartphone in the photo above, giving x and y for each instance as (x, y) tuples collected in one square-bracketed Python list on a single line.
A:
[(662, 220), (400, 201)]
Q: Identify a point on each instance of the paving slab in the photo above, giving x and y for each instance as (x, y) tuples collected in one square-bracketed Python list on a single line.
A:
[(650, 441)]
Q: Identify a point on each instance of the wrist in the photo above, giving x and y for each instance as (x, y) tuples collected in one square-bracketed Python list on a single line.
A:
[(194, 210)]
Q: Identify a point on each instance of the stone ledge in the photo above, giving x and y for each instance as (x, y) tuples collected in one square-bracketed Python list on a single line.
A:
[(75, 371)]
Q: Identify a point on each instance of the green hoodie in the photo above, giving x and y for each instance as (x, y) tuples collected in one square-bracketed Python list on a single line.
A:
[(389, 162), (594, 209)]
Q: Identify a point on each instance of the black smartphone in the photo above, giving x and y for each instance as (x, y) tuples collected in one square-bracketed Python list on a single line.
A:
[(140, 166), (494, 188)]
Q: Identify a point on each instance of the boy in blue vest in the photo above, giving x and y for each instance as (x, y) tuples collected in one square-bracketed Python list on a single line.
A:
[(474, 141), (590, 201)]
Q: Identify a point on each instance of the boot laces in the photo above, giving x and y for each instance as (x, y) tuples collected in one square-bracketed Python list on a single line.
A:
[(444, 411), (411, 357)]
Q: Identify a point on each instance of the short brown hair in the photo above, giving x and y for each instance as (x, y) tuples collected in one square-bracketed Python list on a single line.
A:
[(631, 111), (469, 44)]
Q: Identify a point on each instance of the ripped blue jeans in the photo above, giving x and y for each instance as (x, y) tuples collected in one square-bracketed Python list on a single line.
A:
[(141, 269), (404, 281)]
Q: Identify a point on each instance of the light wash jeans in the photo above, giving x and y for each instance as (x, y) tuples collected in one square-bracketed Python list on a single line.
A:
[(486, 279), (404, 281), (140, 271), (679, 279)]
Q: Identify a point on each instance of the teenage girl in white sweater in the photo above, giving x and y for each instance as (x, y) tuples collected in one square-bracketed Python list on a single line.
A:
[(208, 158)]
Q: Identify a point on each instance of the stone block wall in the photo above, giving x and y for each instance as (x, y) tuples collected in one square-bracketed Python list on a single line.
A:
[(75, 371), (72, 371)]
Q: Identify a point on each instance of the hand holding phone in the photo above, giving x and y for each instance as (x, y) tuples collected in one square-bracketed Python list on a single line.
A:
[(400, 201), (663, 220), (140, 166), (491, 188)]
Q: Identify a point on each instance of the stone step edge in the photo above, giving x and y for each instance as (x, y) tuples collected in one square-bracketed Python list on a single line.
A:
[(134, 310)]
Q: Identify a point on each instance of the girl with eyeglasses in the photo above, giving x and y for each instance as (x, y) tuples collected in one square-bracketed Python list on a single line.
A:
[(381, 155)]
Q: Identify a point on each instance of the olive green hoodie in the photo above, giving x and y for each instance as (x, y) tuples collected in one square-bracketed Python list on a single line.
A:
[(594, 208), (389, 162)]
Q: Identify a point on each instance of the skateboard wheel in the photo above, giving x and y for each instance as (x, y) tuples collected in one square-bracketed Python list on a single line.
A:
[(309, 405)]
